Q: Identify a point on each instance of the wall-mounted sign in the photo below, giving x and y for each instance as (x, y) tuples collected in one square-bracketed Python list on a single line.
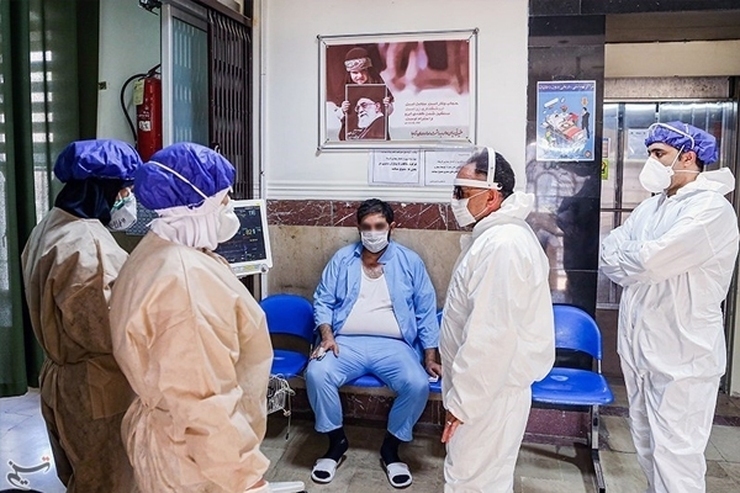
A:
[(397, 90), (565, 120)]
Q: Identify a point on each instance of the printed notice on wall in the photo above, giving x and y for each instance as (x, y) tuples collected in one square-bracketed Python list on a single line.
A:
[(636, 148), (441, 167), (605, 151), (565, 127), (445, 118), (395, 168)]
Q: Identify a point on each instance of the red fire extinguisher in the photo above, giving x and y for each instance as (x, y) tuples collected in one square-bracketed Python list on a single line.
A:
[(147, 97)]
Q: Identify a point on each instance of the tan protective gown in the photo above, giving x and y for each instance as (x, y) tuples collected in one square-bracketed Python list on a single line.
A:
[(194, 345), (69, 265)]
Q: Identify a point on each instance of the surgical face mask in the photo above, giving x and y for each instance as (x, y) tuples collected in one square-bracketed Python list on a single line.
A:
[(229, 223), (462, 214), (123, 213), (374, 241)]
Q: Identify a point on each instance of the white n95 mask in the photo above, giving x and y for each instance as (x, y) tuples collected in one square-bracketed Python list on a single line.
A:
[(229, 223), (655, 177), (374, 241), (123, 213)]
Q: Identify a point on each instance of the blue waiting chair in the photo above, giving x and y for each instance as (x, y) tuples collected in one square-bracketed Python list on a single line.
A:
[(436, 387), (577, 388), (292, 315)]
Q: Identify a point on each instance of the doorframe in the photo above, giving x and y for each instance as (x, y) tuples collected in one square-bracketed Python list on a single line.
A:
[(731, 382)]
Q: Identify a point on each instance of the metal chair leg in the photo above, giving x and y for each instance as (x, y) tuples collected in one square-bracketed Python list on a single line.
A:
[(594, 442)]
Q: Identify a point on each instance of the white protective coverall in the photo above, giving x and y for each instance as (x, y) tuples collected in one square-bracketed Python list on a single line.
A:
[(674, 256), (194, 345), (69, 265), (497, 338)]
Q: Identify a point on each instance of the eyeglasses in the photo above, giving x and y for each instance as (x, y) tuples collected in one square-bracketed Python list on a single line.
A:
[(458, 193)]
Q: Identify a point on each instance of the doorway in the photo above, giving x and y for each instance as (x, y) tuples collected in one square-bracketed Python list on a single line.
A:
[(624, 130)]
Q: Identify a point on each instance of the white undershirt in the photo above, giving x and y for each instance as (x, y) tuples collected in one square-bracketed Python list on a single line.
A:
[(372, 313)]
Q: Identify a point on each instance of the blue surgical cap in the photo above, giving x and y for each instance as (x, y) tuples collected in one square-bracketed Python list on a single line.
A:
[(682, 135), (158, 186), (101, 158)]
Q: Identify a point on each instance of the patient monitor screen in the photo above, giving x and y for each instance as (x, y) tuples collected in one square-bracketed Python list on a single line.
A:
[(250, 245)]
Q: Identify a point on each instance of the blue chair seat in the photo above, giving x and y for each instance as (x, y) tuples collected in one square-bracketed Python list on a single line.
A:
[(574, 387), (289, 364), (366, 381), (373, 381), (436, 387)]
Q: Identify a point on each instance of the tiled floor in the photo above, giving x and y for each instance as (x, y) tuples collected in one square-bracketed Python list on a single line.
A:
[(541, 468)]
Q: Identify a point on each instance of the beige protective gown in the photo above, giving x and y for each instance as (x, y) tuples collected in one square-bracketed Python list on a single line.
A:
[(194, 345), (69, 265)]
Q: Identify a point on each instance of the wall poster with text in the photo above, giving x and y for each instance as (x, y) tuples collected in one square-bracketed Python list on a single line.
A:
[(397, 90), (565, 120)]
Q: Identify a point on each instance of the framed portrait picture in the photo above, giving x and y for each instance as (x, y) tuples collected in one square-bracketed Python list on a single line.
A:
[(397, 90)]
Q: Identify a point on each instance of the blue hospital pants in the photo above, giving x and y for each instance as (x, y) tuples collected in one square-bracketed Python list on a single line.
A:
[(393, 361)]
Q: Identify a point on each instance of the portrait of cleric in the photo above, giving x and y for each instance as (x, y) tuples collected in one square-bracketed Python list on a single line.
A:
[(367, 117), (387, 79)]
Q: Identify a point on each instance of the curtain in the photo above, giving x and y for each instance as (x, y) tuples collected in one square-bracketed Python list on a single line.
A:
[(48, 98)]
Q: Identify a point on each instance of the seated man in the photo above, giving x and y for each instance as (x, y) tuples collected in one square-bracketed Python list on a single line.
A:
[(374, 303)]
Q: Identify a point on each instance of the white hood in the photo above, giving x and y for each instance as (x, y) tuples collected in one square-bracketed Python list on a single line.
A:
[(721, 181), (518, 205)]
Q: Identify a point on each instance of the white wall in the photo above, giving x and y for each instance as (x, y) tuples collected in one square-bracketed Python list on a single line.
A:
[(675, 59), (129, 44), (289, 83)]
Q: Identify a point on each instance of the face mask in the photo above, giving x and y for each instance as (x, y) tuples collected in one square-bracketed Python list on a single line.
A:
[(123, 213), (655, 177), (374, 241), (462, 214), (229, 223)]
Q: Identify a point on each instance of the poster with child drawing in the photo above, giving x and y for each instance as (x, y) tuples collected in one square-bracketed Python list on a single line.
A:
[(397, 90)]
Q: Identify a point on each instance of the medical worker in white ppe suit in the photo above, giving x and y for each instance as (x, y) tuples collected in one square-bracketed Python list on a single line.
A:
[(497, 334), (674, 256)]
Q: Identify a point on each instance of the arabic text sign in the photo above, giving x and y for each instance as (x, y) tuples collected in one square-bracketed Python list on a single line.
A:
[(441, 167), (395, 167)]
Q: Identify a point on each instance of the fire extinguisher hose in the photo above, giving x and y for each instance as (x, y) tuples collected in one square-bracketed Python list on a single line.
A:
[(152, 71)]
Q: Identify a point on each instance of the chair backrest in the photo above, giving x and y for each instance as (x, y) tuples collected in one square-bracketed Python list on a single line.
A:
[(575, 329), (289, 314)]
